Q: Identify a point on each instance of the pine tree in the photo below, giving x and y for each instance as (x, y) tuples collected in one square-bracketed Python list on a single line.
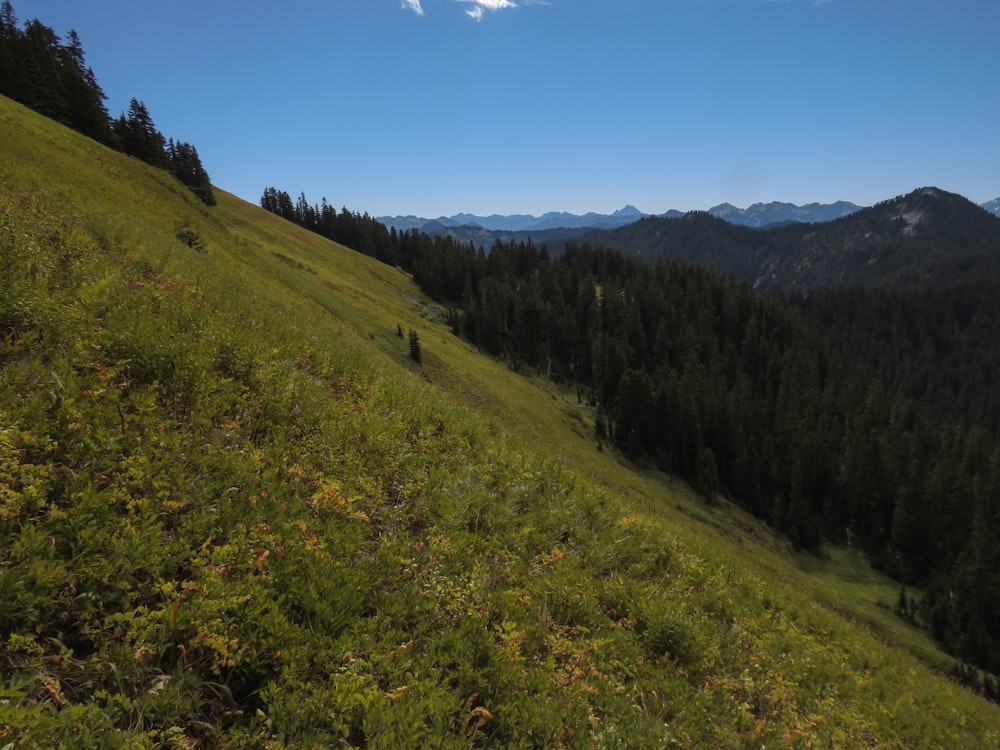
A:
[(84, 96), (632, 408), (185, 164), (904, 607), (415, 353), (42, 90), (12, 62), (138, 136)]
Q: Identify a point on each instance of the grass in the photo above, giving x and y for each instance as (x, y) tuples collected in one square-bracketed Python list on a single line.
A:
[(233, 511)]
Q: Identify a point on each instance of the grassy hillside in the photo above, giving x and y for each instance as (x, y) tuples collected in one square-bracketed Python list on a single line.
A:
[(233, 511)]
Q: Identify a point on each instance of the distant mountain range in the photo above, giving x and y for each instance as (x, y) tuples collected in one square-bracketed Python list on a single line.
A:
[(775, 246), (774, 213), (757, 215), (927, 236), (518, 222)]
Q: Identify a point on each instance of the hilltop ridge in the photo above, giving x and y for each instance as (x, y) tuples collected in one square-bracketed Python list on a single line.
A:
[(927, 234)]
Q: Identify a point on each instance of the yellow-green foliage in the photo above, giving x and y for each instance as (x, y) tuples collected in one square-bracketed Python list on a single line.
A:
[(233, 511)]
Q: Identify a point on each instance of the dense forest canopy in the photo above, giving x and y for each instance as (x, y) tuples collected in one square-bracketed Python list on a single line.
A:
[(862, 417), (51, 77)]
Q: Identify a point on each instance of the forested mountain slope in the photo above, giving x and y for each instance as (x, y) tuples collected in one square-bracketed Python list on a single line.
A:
[(234, 511), (817, 413), (927, 236)]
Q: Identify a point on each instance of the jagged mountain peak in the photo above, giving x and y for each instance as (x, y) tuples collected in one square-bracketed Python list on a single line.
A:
[(778, 212), (628, 210)]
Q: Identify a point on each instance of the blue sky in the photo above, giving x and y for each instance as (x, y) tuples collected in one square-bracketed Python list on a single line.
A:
[(434, 107)]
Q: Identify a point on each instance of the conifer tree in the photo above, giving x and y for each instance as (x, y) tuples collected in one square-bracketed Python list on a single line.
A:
[(186, 166), (84, 96), (12, 74), (415, 353), (42, 90), (138, 136)]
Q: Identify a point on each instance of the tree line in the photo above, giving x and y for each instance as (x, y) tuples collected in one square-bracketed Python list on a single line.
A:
[(788, 407), (359, 232), (50, 76)]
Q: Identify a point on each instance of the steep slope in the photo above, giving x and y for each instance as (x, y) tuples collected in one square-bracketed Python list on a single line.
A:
[(234, 512), (910, 240)]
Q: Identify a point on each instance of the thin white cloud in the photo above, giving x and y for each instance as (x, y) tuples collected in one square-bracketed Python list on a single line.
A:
[(481, 6), (414, 5)]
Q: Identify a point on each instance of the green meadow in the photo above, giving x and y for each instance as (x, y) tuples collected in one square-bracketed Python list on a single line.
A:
[(233, 511)]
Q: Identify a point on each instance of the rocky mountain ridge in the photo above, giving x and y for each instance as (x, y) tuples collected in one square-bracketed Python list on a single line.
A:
[(756, 215)]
